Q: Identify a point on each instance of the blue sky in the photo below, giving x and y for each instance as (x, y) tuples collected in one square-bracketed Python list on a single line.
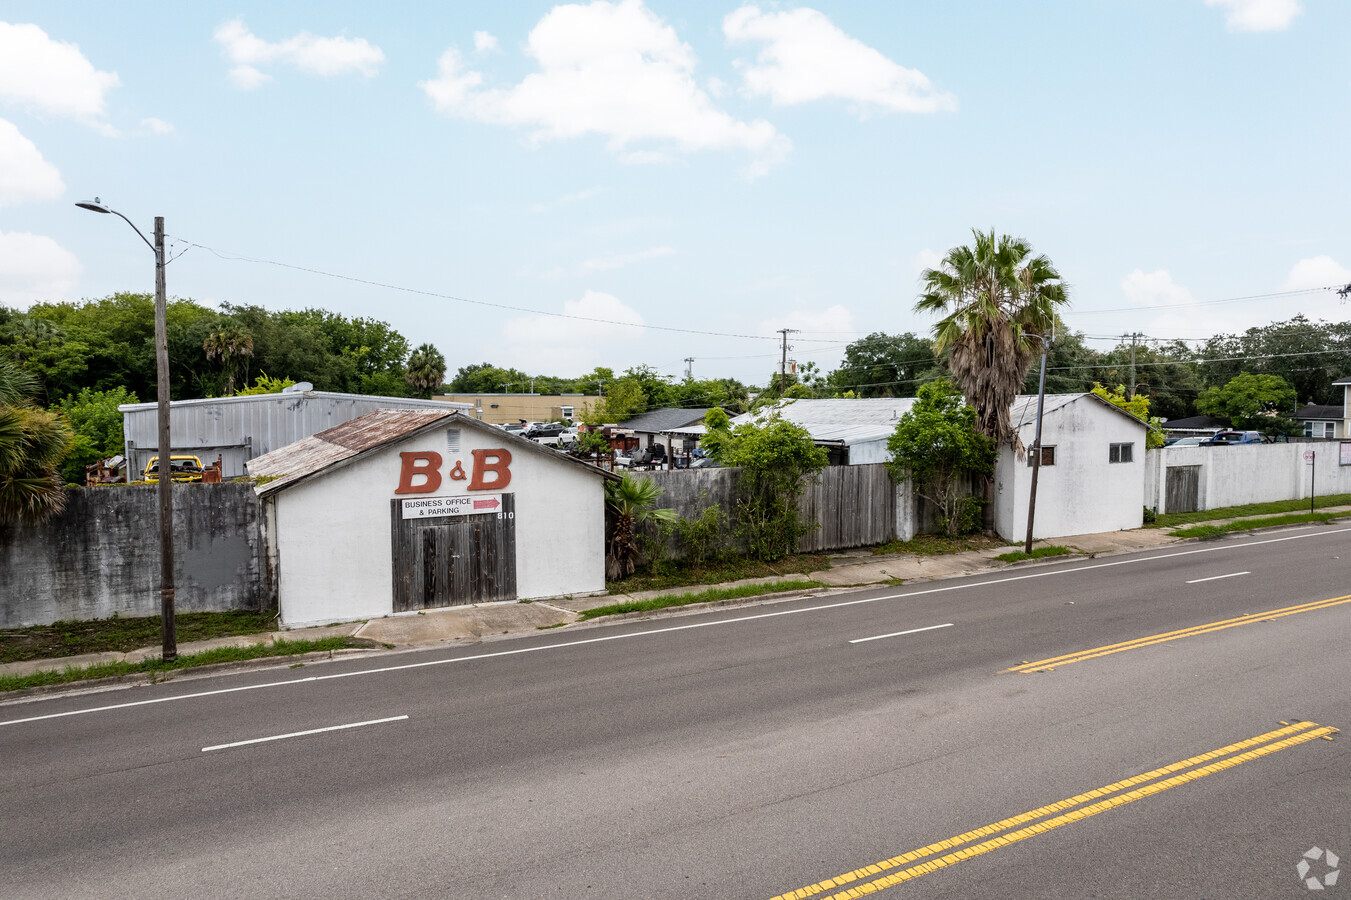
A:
[(722, 168)]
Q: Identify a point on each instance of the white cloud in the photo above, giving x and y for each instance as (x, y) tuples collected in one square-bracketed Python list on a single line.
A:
[(833, 319), (1154, 289), (51, 77), (547, 205), (484, 42), (1258, 15), (157, 126), (926, 259), (1316, 272), (323, 56), (618, 261), (540, 343), (34, 267), (24, 174), (806, 57), (611, 69)]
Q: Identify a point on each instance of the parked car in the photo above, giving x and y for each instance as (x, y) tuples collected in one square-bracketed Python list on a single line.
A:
[(1226, 438), (544, 430), (1185, 442), (181, 468)]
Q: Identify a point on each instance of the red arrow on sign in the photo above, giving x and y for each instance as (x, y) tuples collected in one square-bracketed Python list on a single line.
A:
[(487, 504)]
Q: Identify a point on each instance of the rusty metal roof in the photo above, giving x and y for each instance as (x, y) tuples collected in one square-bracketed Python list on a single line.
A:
[(377, 427), (312, 455)]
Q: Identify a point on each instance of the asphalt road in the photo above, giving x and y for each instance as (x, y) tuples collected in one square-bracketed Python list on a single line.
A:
[(744, 753)]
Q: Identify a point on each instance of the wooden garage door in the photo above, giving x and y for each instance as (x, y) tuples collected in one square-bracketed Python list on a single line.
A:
[(454, 560), (1182, 489)]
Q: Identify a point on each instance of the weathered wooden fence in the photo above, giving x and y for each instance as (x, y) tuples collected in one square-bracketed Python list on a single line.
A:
[(852, 506)]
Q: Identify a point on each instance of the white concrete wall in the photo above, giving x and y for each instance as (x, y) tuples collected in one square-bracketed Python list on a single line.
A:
[(868, 452), (1083, 493), (1250, 473), (335, 545)]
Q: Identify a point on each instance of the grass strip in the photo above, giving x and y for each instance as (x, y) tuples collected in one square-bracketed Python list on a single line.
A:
[(280, 647), (1170, 520), (677, 573), (709, 596), (121, 634), (939, 545), (1037, 553), (1211, 531)]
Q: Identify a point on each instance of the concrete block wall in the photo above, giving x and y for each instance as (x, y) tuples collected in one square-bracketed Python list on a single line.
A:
[(1250, 473), (100, 557)]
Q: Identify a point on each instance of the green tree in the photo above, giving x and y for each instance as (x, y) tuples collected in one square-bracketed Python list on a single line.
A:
[(623, 400), (265, 384), (485, 378), (628, 503), (97, 429), (32, 443), (426, 369), (937, 447), (1137, 406), (993, 296), (1252, 402), (777, 459), (885, 365), (230, 346)]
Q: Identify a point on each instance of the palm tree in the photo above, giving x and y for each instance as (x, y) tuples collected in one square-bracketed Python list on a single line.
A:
[(32, 443), (228, 345), (426, 369), (995, 296), (628, 503)]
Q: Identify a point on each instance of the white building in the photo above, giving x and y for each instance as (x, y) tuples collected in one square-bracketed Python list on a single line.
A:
[(855, 431), (402, 510), (1092, 474)]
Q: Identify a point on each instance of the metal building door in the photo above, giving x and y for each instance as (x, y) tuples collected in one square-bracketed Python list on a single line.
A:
[(1182, 489), (454, 560)]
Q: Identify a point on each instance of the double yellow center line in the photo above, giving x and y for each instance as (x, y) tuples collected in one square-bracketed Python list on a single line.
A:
[(940, 855), (1046, 665)]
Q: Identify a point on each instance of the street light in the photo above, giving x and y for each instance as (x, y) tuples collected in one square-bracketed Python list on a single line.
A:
[(168, 636)]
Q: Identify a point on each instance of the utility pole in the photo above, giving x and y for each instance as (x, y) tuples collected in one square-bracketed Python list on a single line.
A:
[(1036, 451), (689, 368), (1130, 389), (783, 360)]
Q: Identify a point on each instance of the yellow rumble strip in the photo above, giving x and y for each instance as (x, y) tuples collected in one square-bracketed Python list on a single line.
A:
[(1046, 665), (940, 855)]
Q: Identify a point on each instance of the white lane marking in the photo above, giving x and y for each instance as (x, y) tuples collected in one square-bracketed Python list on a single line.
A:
[(1050, 572), (282, 737), (878, 637), (1218, 577)]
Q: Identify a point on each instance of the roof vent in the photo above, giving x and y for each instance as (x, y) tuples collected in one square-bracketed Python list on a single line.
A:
[(299, 388), (452, 440)]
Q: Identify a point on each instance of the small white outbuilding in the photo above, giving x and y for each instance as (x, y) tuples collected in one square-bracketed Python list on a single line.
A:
[(403, 510), (1092, 472)]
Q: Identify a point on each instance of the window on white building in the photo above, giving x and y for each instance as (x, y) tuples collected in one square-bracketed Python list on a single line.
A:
[(1121, 453), (1047, 457)]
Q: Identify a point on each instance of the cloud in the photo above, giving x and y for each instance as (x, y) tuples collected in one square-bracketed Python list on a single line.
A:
[(157, 126), (1258, 15), (53, 78), (24, 174), (484, 42), (1154, 289), (926, 259), (610, 69), (547, 205), (1316, 272), (806, 57), (831, 320), (306, 52), (34, 267), (618, 261), (540, 343)]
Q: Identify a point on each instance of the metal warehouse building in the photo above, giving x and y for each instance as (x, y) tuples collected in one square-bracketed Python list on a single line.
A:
[(239, 429)]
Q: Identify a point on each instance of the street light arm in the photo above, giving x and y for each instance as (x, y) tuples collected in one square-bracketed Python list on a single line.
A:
[(138, 231), (97, 205)]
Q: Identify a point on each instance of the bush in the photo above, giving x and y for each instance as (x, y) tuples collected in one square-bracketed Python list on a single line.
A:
[(1151, 515), (702, 539)]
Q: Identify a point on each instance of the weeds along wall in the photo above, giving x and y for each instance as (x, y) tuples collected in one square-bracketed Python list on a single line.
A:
[(100, 557), (854, 506)]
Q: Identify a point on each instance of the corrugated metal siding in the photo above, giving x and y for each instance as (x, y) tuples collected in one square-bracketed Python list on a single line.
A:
[(241, 429)]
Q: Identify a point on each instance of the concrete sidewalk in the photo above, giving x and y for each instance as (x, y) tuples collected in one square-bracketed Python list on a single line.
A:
[(480, 623)]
